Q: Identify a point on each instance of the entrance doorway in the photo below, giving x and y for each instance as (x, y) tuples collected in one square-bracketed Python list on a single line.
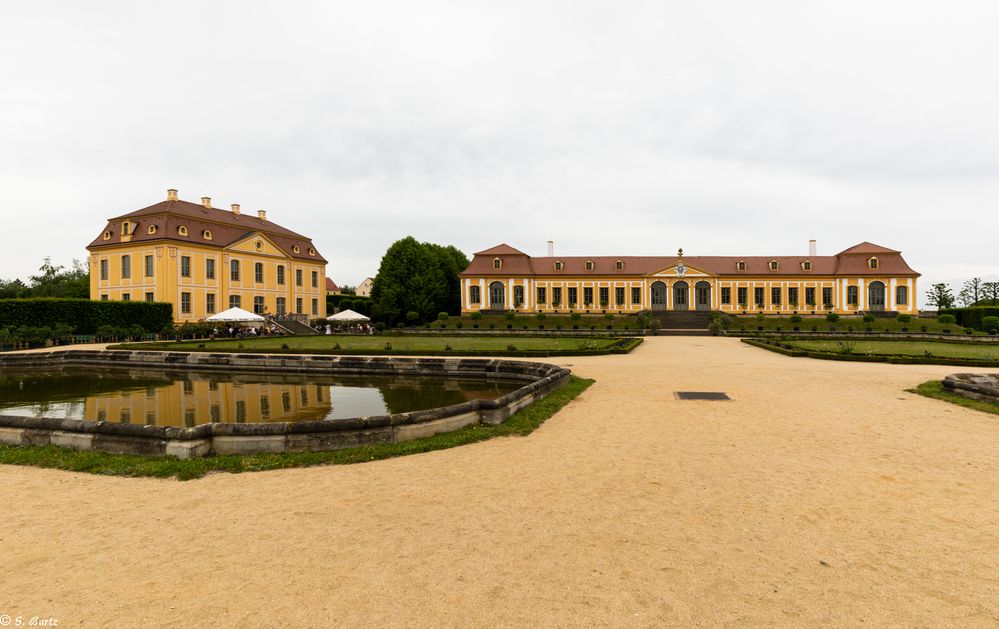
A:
[(496, 296), (680, 291), (702, 296), (658, 296), (876, 297)]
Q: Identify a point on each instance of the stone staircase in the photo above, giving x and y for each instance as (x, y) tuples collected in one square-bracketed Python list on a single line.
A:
[(292, 326), (682, 322)]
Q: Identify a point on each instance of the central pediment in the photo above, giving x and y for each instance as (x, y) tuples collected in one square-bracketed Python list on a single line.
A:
[(690, 271)]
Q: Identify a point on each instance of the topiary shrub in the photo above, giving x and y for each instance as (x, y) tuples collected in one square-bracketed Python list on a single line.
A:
[(509, 315), (903, 318), (832, 317), (442, 316), (868, 318), (476, 316), (796, 319), (946, 319), (990, 324), (412, 317)]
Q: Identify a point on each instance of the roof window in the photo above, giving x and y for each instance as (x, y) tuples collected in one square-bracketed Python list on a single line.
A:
[(497, 263), (740, 265), (559, 265), (619, 265), (207, 234), (107, 235), (806, 265), (872, 262), (182, 230), (774, 265), (589, 265), (151, 230)]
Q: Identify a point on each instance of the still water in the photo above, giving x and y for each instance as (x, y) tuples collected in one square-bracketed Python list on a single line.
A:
[(188, 399)]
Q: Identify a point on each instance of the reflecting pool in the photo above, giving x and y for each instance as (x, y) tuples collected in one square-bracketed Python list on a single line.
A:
[(190, 398)]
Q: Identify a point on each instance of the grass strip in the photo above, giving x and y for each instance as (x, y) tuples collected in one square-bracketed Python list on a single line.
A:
[(936, 390), (521, 423)]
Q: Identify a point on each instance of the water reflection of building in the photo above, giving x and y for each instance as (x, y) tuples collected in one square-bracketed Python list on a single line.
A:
[(202, 400)]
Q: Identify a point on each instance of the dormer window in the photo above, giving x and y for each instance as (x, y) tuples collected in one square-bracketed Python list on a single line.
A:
[(806, 265), (207, 234), (559, 265), (312, 251), (107, 235), (589, 265), (497, 263), (296, 249), (182, 230), (619, 265), (151, 230), (740, 265), (872, 263), (126, 228), (773, 265)]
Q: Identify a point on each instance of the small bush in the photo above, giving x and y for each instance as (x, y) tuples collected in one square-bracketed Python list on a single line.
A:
[(511, 348), (990, 323), (946, 319), (845, 347), (442, 316), (868, 318), (412, 317), (903, 318), (832, 317), (476, 316), (388, 346), (509, 315), (447, 348), (796, 319)]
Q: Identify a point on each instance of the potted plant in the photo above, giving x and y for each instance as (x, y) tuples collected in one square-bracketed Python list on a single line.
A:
[(476, 317), (587, 305), (575, 320), (744, 307), (509, 316), (793, 305), (609, 318), (541, 320)]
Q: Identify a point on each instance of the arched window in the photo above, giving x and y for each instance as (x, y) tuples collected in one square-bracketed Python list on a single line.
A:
[(312, 251), (806, 265), (107, 235), (207, 234), (589, 265), (740, 265), (559, 265), (872, 263), (497, 263), (773, 265), (151, 229), (182, 230), (126, 228), (296, 249), (619, 265), (496, 295)]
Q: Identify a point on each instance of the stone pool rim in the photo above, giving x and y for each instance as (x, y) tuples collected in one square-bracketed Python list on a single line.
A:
[(304, 436)]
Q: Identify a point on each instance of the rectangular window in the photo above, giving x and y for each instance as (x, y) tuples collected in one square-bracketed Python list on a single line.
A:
[(573, 297), (265, 407), (474, 294), (636, 296), (185, 266), (149, 266), (852, 295), (604, 296), (235, 301), (149, 296), (234, 270), (315, 279), (298, 305), (518, 296), (556, 296), (726, 295), (240, 411), (258, 272), (126, 297), (210, 269), (210, 303), (758, 296), (810, 296), (902, 295), (775, 296), (126, 266), (542, 295), (281, 307), (104, 269), (315, 306), (104, 297), (185, 303), (587, 296), (619, 295), (743, 295), (827, 297), (298, 277), (258, 305), (280, 274), (792, 295)]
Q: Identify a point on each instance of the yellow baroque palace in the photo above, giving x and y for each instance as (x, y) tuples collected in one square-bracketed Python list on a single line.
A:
[(204, 260), (863, 278)]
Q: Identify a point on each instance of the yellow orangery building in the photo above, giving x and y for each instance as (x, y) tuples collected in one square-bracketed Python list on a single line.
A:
[(863, 278), (204, 260)]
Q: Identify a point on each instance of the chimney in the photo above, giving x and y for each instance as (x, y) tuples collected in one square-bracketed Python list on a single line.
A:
[(235, 209), (811, 249), (206, 202), (172, 194), (551, 248), (262, 215)]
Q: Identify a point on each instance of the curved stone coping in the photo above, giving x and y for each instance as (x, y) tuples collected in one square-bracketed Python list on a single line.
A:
[(204, 439), (976, 386)]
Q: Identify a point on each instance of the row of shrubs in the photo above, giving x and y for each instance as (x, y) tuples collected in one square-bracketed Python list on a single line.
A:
[(944, 324), (983, 318), (61, 334), (83, 315)]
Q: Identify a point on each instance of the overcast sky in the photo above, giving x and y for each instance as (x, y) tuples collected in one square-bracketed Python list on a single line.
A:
[(612, 128)]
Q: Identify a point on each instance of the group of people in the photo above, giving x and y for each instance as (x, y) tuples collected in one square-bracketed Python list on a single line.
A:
[(353, 328), (237, 331)]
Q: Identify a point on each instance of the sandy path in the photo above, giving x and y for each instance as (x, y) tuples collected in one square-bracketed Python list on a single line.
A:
[(822, 495)]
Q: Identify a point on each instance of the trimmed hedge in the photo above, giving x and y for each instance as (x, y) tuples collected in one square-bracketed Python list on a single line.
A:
[(84, 315), (971, 317)]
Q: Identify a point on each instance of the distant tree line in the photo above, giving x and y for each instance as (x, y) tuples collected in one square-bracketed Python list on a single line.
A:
[(974, 292), (51, 281)]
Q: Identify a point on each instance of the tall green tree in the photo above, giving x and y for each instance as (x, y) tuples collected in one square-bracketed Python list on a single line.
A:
[(417, 277), (971, 292), (990, 292), (51, 281), (940, 295)]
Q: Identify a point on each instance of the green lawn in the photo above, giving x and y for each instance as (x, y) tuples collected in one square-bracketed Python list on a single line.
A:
[(386, 343), (903, 348), (751, 323), (935, 389), (523, 422)]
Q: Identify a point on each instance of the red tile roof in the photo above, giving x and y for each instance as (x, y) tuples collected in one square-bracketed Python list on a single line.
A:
[(520, 264), (331, 286), (226, 228)]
